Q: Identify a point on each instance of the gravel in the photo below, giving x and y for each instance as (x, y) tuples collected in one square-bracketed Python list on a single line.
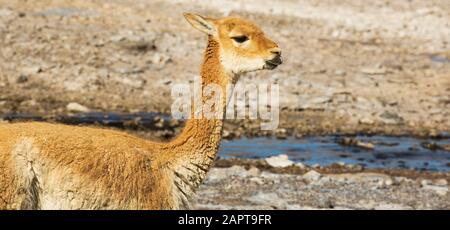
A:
[(233, 188)]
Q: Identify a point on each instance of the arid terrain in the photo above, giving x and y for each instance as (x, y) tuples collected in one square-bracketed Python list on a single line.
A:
[(350, 67), (251, 184), (380, 66)]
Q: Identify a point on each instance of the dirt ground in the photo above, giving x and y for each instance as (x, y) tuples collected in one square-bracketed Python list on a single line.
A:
[(251, 186), (350, 66)]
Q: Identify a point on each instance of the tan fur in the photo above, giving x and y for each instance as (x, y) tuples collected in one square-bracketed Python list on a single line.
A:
[(52, 166)]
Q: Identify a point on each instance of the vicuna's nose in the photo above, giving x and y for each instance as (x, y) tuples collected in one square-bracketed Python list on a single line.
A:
[(276, 51)]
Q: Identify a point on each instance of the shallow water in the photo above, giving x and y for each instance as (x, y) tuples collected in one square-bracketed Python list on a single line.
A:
[(389, 152)]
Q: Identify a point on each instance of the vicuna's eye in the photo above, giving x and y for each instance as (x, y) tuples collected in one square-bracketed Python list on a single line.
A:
[(240, 39)]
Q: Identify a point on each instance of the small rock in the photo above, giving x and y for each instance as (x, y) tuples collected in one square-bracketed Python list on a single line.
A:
[(325, 180), (237, 170), (426, 182), (138, 45), (159, 122), (257, 180), (253, 171), (33, 70), (279, 161), (424, 11), (230, 135), (73, 86), (321, 100), (347, 141), (77, 108), (335, 34), (281, 134), (437, 189), (374, 71), (269, 175), (340, 72), (218, 174), (160, 59), (164, 134), (117, 38), (403, 180), (433, 146), (325, 204), (29, 103), (385, 183), (357, 167), (129, 70), (133, 123), (388, 182), (366, 120), (365, 145), (300, 165), (312, 176), (441, 182), (174, 123), (5, 12), (103, 73), (22, 79), (268, 199), (314, 103), (226, 134), (390, 118)]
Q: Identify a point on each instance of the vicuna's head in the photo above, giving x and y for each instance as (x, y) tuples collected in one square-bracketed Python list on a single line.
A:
[(244, 47)]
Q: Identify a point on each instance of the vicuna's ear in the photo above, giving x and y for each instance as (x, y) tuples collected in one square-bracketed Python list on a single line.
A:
[(206, 25)]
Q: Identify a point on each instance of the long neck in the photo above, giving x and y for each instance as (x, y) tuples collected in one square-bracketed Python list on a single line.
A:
[(196, 147)]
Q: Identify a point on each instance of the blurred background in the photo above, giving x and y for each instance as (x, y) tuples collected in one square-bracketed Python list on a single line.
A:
[(365, 84)]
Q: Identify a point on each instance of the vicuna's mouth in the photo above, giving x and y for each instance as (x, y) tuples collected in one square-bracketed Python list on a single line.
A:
[(273, 63)]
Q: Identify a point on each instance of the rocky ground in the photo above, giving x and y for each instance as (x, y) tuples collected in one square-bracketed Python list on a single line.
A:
[(380, 67), (255, 186)]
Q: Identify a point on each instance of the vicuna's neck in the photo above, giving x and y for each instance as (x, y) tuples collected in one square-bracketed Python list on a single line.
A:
[(202, 131), (196, 147)]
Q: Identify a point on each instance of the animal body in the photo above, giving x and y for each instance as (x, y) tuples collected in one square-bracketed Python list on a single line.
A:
[(54, 166)]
